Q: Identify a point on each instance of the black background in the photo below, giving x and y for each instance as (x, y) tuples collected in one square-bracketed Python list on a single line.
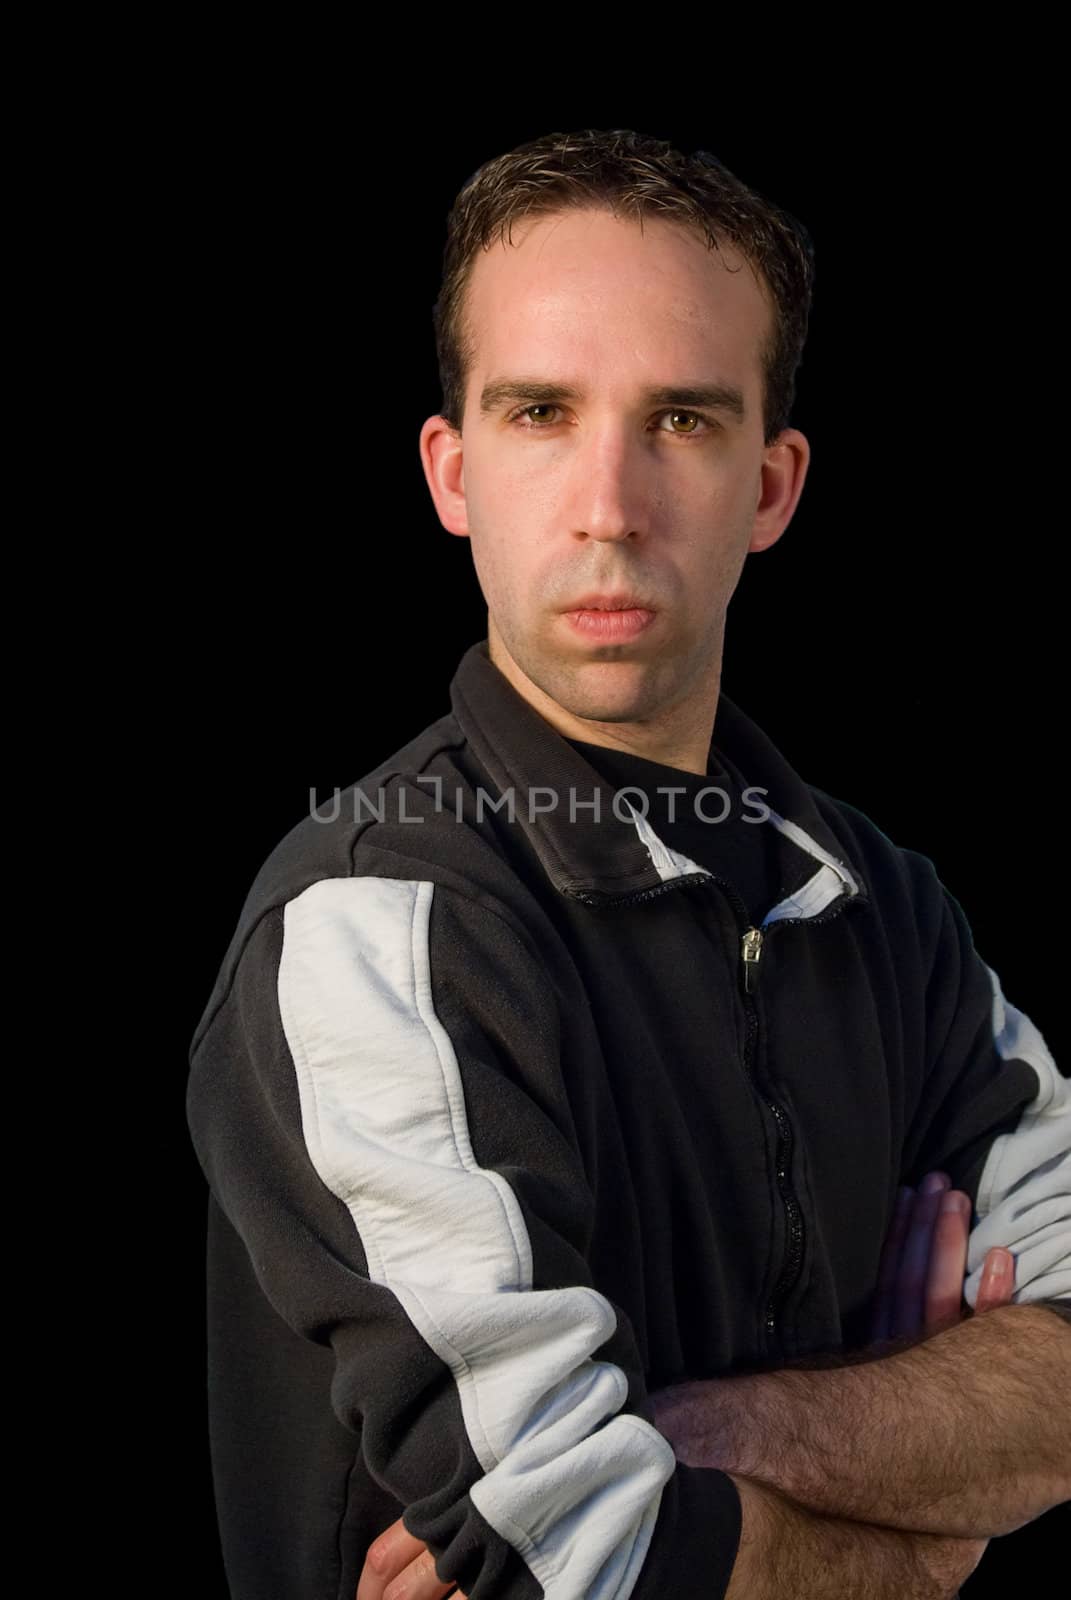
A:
[(902, 643)]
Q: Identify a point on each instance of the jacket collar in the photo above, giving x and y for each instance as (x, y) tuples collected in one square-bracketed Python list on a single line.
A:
[(542, 785)]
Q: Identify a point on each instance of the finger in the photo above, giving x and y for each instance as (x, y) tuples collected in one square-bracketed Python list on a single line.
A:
[(419, 1581), (889, 1264), (998, 1280), (947, 1268), (388, 1555), (911, 1280)]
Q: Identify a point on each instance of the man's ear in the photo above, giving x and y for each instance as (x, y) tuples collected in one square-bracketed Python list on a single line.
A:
[(442, 457), (783, 471)]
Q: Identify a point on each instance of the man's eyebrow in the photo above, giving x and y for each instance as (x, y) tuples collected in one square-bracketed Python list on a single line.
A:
[(497, 392)]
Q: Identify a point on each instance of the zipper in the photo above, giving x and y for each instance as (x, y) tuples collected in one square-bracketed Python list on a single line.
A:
[(752, 943), (751, 950)]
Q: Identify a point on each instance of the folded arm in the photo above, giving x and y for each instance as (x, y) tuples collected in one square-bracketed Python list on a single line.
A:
[(964, 1434)]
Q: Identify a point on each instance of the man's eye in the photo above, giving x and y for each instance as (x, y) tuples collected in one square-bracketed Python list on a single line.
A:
[(530, 423), (705, 423), (526, 413)]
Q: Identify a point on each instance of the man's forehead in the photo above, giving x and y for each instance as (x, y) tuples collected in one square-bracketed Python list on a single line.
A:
[(680, 300), (565, 247)]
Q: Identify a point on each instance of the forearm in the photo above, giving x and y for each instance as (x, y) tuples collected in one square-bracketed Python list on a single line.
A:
[(786, 1551), (964, 1434)]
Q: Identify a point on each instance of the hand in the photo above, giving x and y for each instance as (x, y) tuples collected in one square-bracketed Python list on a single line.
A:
[(924, 1263), (396, 1552)]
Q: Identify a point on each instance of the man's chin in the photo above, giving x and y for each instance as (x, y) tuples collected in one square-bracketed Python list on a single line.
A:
[(619, 690)]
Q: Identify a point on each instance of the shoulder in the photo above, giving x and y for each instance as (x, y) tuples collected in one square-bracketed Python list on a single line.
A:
[(372, 859)]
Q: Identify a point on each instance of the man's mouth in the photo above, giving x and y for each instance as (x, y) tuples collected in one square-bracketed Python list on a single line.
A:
[(598, 619)]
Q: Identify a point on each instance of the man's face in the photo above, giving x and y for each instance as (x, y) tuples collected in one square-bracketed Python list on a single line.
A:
[(611, 489)]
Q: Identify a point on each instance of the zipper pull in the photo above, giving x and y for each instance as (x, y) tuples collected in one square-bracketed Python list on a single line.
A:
[(751, 947)]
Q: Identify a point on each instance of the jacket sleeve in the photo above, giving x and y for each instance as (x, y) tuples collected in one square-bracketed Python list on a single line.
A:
[(994, 1112), (379, 1105)]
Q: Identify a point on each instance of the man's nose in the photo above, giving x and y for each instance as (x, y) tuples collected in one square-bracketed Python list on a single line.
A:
[(609, 489)]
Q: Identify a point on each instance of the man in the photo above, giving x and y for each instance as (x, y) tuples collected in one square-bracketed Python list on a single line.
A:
[(580, 1051)]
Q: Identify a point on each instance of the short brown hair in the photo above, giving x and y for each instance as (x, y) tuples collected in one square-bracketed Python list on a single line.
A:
[(634, 176)]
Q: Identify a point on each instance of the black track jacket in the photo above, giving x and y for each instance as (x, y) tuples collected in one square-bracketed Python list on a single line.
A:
[(511, 1112)]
